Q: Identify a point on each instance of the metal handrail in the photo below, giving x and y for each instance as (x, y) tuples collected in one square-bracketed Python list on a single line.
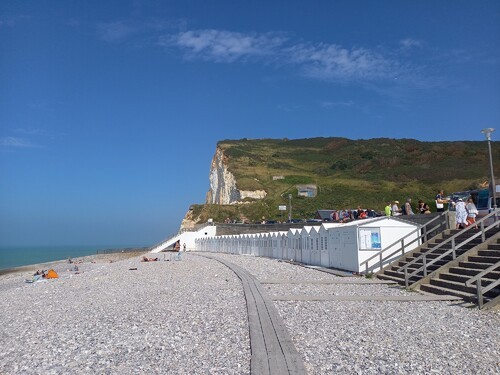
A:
[(401, 240), (453, 249), (482, 273), (480, 291), (183, 230)]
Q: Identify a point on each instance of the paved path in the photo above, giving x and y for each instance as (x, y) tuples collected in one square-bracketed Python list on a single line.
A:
[(273, 352)]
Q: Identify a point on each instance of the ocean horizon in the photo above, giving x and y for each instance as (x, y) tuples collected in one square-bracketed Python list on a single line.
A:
[(17, 256)]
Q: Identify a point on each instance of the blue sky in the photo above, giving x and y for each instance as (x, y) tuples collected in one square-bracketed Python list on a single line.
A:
[(110, 111)]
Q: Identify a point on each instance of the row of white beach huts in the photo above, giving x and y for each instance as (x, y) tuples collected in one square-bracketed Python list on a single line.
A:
[(356, 246)]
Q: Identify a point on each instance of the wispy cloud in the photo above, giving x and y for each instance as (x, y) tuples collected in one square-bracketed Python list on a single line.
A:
[(11, 21), (327, 62), (139, 31), (332, 62), (409, 43), (33, 131), (347, 103), (224, 46), (16, 142)]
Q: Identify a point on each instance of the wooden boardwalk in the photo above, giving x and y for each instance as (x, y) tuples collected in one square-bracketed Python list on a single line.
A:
[(273, 352)]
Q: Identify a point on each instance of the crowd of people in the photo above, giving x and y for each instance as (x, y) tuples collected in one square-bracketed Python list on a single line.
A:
[(393, 208), (466, 212)]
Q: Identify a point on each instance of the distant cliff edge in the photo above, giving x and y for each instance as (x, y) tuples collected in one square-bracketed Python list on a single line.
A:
[(252, 180), (223, 186)]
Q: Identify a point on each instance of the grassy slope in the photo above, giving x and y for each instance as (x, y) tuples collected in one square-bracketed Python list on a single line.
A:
[(348, 173)]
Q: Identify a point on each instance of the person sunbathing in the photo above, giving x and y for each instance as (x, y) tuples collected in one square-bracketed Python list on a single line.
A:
[(146, 259)]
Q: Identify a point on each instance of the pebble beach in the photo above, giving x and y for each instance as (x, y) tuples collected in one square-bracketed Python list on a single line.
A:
[(119, 315)]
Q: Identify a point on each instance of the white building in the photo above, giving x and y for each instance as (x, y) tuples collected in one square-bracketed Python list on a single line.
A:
[(357, 246)]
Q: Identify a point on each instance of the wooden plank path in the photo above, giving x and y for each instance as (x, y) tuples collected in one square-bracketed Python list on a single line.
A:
[(273, 352), (330, 282), (413, 298)]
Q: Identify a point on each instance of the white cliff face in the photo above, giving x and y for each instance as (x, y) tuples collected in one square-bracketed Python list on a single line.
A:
[(255, 194), (223, 188)]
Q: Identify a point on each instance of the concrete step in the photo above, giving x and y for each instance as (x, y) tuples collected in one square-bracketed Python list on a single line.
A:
[(418, 258), (490, 253), (483, 259), (432, 267), (427, 249), (385, 276), (393, 273), (460, 238), (471, 243), (420, 261), (478, 266), (448, 284), (429, 255), (450, 292), (469, 234), (401, 277), (495, 275), (495, 246), (462, 278)]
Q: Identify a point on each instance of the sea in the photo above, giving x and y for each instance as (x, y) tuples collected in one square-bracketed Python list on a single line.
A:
[(16, 256)]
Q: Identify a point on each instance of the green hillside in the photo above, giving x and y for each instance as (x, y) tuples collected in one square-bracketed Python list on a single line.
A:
[(347, 173)]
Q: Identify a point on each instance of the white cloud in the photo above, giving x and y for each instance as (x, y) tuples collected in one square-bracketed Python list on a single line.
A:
[(224, 46), (318, 61), (15, 142), (328, 62), (335, 63), (409, 43), (348, 103), (31, 131)]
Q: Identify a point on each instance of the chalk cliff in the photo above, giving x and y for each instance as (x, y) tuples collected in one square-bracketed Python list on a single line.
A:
[(223, 185)]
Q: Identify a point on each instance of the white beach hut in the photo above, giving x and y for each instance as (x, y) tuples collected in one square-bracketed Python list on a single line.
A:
[(254, 243), (275, 244), (350, 244), (279, 245), (305, 247), (266, 244), (293, 243)]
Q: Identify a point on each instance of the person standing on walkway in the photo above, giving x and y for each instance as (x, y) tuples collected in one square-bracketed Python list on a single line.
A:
[(423, 208), (440, 201), (408, 209), (395, 209), (388, 209), (471, 212), (461, 214)]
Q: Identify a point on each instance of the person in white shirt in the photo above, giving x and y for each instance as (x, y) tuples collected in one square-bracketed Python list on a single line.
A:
[(440, 201), (395, 209)]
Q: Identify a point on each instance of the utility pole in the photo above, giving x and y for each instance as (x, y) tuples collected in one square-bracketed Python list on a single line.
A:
[(290, 203), (487, 132)]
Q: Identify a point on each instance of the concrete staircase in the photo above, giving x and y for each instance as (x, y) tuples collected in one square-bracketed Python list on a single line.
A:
[(454, 263), (452, 278), (392, 272)]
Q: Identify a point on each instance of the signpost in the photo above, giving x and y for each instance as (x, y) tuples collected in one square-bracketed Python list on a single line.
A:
[(282, 208)]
